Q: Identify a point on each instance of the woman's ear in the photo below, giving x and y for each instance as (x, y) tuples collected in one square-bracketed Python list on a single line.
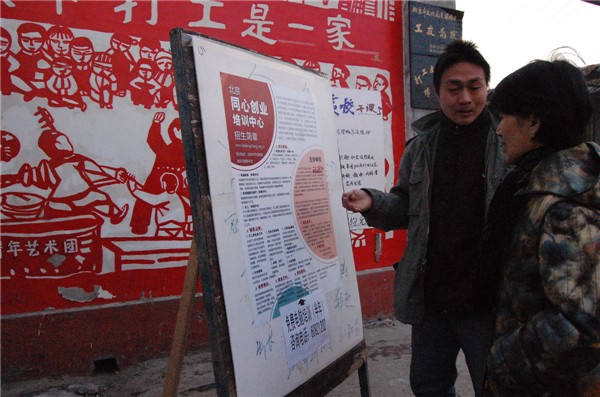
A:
[(534, 125)]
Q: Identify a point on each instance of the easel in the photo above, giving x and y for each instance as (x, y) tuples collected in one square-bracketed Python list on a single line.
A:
[(182, 325), (203, 259), (353, 361)]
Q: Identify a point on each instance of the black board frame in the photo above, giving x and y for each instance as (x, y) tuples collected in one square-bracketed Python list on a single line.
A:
[(353, 360)]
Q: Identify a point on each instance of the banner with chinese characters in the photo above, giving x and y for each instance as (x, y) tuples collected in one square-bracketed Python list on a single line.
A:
[(431, 29)]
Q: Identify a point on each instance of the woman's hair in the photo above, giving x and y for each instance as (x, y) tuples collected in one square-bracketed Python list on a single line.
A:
[(555, 92)]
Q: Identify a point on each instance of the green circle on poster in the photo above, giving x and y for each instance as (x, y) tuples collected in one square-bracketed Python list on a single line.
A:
[(289, 295)]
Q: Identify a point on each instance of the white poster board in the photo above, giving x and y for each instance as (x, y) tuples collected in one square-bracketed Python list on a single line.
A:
[(360, 140), (284, 250)]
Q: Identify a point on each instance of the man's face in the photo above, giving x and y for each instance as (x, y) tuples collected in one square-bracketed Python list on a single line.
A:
[(463, 92)]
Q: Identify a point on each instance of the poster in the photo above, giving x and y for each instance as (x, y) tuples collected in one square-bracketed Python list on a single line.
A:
[(282, 195), (305, 328), (361, 138), (284, 251)]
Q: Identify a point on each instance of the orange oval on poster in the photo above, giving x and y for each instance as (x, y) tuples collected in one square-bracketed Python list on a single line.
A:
[(311, 205)]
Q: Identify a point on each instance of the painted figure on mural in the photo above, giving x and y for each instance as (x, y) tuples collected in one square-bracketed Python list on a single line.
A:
[(144, 88), (103, 83), (122, 61), (9, 146), (169, 158), (82, 53), (148, 48), (81, 194), (61, 86), (50, 64), (9, 65), (171, 209), (33, 66), (381, 84), (58, 42), (73, 180), (363, 83), (311, 64), (9, 62), (339, 76), (165, 78)]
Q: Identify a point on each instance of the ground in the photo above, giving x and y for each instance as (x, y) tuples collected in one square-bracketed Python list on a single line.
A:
[(388, 345)]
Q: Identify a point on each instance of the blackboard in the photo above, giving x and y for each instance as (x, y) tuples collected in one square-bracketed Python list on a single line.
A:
[(431, 29), (272, 239)]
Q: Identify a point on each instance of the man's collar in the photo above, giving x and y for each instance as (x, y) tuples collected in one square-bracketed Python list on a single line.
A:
[(482, 121)]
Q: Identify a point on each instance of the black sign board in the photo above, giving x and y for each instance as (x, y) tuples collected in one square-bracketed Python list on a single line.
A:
[(431, 29)]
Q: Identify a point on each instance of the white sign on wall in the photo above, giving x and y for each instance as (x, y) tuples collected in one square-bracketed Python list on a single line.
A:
[(360, 131)]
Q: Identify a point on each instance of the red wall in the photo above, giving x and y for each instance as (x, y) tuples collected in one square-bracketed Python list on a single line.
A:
[(71, 342), (84, 283)]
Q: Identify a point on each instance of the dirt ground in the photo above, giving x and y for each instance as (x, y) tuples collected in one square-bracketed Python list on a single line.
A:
[(388, 345)]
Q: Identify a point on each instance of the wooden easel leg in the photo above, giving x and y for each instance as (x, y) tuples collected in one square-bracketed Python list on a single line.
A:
[(363, 380), (182, 325)]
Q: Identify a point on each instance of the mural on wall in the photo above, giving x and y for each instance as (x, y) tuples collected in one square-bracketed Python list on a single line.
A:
[(94, 203)]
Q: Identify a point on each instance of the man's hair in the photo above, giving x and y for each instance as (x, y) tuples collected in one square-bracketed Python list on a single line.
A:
[(555, 92), (456, 52)]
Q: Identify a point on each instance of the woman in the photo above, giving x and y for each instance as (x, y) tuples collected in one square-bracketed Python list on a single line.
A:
[(543, 233)]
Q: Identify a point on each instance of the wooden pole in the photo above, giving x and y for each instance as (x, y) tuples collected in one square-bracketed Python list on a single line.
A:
[(182, 325)]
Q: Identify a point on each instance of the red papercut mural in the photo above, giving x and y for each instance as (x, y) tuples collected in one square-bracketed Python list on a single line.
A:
[(167, 176), (94, 203)]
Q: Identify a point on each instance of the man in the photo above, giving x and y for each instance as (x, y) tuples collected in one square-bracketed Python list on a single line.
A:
[(447, 176), (82, 53)]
